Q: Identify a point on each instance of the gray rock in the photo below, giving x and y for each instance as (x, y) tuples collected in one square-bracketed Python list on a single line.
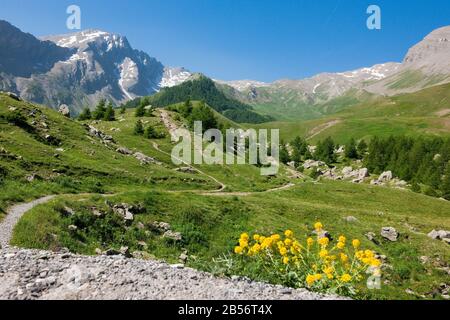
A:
[(172, 235), (443, 235), (389, 233), (124, 151), (385, 176), (351, 219), (64, 110)]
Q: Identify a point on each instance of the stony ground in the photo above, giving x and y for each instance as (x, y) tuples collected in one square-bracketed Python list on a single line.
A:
[(33, 274)]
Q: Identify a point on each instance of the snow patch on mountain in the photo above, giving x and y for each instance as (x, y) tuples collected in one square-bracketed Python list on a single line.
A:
[(243, 85), (174, 76)]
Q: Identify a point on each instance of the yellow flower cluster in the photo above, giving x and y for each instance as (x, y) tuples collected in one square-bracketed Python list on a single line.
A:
[(321, 262)]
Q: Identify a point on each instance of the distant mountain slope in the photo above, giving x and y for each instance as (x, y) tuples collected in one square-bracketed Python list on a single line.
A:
[(426, 112), (79, 69), (22, 54), (203, 88), (427, 64)]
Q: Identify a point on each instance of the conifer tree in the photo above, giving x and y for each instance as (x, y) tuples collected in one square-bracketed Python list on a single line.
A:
[(85, 114), (110, 114), (138, 128)]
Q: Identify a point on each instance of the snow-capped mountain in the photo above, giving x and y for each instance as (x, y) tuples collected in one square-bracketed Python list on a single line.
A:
[(320, 88), (92, 64)]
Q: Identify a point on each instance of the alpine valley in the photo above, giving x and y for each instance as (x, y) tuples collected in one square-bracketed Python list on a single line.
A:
[(93, 207)]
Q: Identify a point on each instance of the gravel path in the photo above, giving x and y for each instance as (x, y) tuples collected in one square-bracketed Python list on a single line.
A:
[(31, 274), (13, 216)]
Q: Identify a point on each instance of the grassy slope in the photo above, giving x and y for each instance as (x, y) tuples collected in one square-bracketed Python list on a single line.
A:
[(220, 220), (211, 224), (87, 164), (419, 113)]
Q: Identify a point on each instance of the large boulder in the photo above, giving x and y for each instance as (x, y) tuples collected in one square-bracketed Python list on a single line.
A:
[(389, 233), (64, 110)]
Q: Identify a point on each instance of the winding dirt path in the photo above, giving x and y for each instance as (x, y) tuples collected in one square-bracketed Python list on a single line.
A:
[(13, 216), (321, 128)]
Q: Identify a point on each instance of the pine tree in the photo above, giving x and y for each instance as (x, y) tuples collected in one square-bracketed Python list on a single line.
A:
[(325, 151), (284, 154), (110, 114), (186, 108), (350, 150), (122, 109), (100, 110), (362, 148), (150, 133), (138, 128), (204, 114), (85, 114), (140, 111)]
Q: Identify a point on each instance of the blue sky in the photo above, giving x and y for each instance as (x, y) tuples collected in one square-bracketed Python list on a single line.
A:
[(247, 39)]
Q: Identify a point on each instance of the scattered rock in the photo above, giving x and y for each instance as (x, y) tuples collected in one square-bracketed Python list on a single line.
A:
[(67, 212), (73, 227), (183, 257), (385, 176), (172, 235), (389, 233), (143, 158), (350, 219), (125, 251), (186, 170), (64, 110), (33, 177), (308, 164), (142, 245), (160, 227), (443, 235), (124, 151)]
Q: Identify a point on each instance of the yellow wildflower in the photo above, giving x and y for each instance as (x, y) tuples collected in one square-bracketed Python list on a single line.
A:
[(344, 258), (256, 237), (238, 250), (310, 279), (275, 237), (346, 277), (288, 242), (318, 226), (342, 239), (289, 233), (324, 241), (340, 245), (244, 236), (323, 253), (356, 243), (283, 251), (310, 242), (286, 260), (243, 243)]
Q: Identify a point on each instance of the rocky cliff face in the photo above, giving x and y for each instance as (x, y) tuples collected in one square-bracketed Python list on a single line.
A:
[(79, 69)]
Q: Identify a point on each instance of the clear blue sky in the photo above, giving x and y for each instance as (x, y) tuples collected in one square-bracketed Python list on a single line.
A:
[(247, 39)]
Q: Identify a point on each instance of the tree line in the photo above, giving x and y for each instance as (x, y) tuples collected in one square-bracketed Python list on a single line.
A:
[(422, 161)]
